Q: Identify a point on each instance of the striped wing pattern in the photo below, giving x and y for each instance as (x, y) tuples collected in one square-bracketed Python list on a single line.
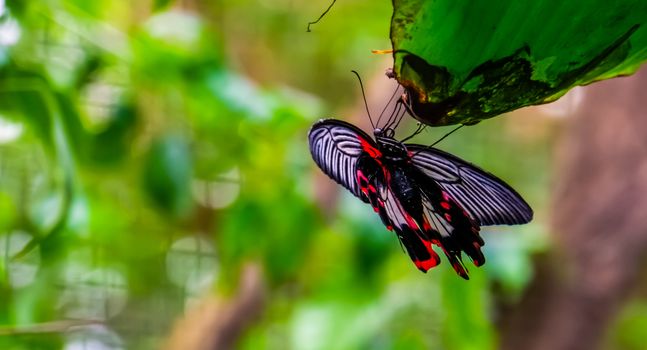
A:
[(484, 196), (336, 147)]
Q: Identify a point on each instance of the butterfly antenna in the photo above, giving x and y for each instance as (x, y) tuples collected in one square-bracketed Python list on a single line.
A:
[(393, 118), (399, 118), (364, 98), (447, 134), (395, 93), (420, 128), (322, 15), (442, 138)]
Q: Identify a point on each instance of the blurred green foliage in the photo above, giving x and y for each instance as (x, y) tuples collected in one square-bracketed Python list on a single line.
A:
[(628, 331), (150, 149)]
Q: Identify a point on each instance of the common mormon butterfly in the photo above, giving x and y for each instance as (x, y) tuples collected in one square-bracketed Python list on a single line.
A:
[(425, 195)]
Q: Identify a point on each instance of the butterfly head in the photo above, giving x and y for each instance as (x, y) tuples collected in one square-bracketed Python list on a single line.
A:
[(384, 132), (390, 147)]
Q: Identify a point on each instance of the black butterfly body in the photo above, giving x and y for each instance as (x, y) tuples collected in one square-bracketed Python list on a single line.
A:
[(427, 196)]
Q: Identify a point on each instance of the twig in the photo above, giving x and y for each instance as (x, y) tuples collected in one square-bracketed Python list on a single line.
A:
[(320, 17), (46, 327)]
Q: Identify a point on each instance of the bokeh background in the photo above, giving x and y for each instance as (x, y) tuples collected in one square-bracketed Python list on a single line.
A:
[(156, 191)]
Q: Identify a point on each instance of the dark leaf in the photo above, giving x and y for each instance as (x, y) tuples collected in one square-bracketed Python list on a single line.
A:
[(167, 175)]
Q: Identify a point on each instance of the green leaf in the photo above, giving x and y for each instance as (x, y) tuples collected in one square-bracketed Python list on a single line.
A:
[(110, 146), (167, 175), (21, 96), (466, 61)]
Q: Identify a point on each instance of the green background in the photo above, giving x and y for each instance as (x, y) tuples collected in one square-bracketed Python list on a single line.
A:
[(151, 149)]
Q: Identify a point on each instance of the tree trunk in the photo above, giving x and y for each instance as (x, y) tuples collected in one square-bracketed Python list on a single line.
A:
[(599, 223)]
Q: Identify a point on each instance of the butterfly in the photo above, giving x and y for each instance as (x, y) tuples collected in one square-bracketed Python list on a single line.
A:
[(428, 197)]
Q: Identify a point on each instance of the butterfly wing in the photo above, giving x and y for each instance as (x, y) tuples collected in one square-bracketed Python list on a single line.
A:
[(484, 196), (423, 215), (336, 147), (457, 232), (403, 221), (351, 158)]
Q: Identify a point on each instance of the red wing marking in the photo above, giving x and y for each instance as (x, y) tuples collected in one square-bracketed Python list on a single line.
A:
[(432, 261), (425, 224), (425, 265), (361, 177), (410, 221), (368, 148)]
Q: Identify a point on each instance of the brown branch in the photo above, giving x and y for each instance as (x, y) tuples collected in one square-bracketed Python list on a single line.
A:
[(217, 323), (60, 326)]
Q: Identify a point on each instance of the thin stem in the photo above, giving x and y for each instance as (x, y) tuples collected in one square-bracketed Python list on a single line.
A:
[(320, 17)]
